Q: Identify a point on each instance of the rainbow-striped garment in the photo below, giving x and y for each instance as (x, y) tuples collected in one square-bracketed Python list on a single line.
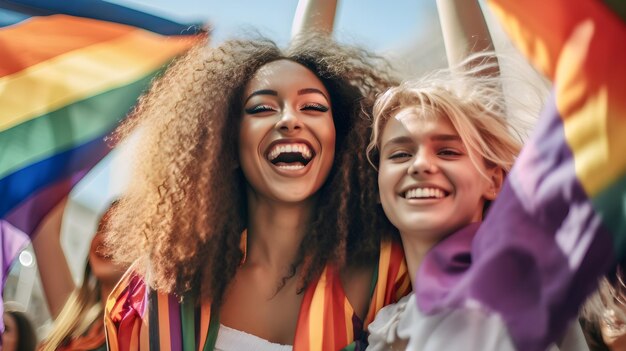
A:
[(69, 72), (560, 220), (326, 321)]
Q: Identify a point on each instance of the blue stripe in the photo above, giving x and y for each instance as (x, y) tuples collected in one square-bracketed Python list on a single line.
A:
[(9, 18), (102, 10), (18, 186)]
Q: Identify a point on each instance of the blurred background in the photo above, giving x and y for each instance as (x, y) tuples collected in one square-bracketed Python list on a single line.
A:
[(405, 31)]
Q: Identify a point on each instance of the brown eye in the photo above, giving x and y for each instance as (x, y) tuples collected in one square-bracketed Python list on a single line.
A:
[(399, 155), (449, 152)]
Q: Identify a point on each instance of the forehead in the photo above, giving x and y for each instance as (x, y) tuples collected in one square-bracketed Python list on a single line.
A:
[(417, 124), (284, 75)]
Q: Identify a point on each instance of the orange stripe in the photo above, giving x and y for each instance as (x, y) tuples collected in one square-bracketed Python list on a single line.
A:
[(336, 307), (378, 298), (349, 325), (114, 305), (333, 314), (62, 34), (205, 319), (164, 322), (111, 334), (301, 340), (134, 336), (316, 313)]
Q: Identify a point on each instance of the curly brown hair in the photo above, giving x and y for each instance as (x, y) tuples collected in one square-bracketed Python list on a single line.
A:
[(185, 210)]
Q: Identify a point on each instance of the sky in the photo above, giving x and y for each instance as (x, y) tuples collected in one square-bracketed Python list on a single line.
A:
[(373, 24)]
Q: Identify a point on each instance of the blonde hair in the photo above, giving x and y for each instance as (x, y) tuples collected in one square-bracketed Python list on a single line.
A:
[(82, 309), (473, 102)]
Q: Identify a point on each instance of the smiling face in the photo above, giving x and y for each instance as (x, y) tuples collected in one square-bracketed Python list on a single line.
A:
[(428, 184), (287, 134)]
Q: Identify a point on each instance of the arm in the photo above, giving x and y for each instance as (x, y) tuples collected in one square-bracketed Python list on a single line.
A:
[(314, 15), (464, 29), (54, 271)]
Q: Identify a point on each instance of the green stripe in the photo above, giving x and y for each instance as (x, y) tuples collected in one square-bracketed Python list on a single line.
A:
[(67, 127), (187, 317), (350, 347), (611, 205), (214, 328), (618, 7)]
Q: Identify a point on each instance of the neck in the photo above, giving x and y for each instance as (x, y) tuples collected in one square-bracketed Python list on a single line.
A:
[(275, 231), (415, 248), (105, 291)]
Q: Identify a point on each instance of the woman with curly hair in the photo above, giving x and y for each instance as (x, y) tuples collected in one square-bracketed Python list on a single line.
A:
[(252, 216)]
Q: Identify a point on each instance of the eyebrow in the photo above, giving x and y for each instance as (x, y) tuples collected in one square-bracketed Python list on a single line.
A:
[(446, 137), (313, 91), (397, 140), (404, 139), (261, 92), (275, 93)]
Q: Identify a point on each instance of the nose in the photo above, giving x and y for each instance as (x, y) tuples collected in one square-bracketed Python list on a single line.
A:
[(288, 122), (422, 163)]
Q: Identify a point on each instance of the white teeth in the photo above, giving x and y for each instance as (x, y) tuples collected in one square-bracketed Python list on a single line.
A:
[(282, 148), (292, 167), (420, 193)]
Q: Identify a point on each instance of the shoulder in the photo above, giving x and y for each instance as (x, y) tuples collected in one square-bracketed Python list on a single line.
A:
[(383, 330), (468, 328)]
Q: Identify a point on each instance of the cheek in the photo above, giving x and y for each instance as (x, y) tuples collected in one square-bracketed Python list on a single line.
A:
[(248, 141), (386, 183), (327, 133)]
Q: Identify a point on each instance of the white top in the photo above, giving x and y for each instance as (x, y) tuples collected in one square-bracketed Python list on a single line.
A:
[(229, 339), (402, 325)]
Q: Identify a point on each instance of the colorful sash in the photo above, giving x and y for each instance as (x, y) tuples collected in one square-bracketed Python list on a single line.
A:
[(326, 321)]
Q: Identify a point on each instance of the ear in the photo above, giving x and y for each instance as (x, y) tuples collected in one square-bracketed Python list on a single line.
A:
[(496, 175)]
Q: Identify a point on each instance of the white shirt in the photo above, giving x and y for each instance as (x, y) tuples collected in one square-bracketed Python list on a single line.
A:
[(461, 329), (229, 339)]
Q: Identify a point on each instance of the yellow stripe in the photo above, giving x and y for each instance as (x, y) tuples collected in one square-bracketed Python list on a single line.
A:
[(110, 329), (82, 73), (383, 272), (348, 312), (405, 286), (593, 119), (111, 334), (316, 312)]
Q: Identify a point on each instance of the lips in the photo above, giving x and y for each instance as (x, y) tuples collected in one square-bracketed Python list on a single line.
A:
[(290, 155), (424, 192)]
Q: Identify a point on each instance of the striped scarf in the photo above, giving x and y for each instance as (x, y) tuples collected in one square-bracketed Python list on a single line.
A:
[(326, 320)]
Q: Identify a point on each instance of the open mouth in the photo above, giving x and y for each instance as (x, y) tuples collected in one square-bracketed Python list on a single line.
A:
[(292, 156), (425, 193)]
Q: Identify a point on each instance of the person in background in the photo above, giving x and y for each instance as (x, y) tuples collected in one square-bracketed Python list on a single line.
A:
[(603, 316), (19, 333), (79, 325)]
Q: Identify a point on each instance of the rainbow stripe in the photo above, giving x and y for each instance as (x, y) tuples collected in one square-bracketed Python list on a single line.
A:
[(70, 71), (326, 320), (560, 220)]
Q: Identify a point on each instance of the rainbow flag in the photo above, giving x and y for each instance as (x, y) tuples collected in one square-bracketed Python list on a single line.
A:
[(560, 221), (69, 72)]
